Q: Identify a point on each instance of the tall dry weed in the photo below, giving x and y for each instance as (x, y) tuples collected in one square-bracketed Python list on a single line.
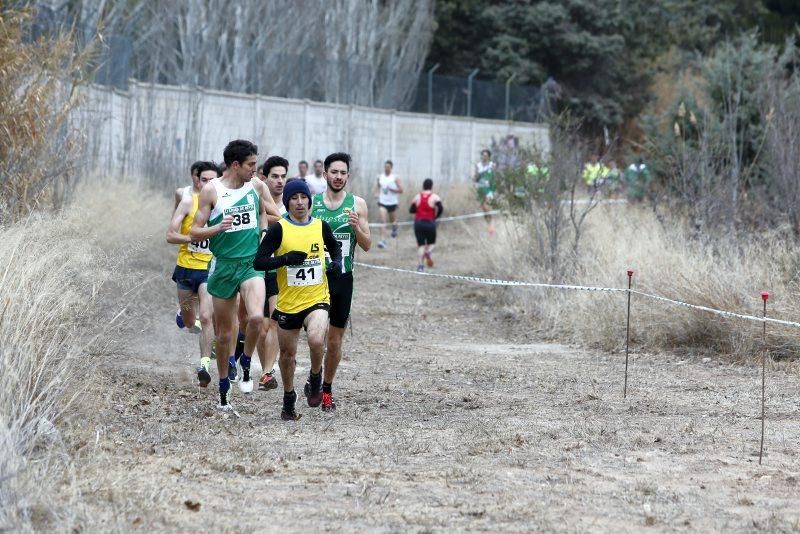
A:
[(38, 149), (727, 273)]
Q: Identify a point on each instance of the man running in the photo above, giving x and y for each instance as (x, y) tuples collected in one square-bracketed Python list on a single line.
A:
[(316, 182), (348, 218), (387, 189), (426, 207), (274, 172), (302, 170), (484, 177), (181, 190), (191, 269), (298, 243), (235, 208)]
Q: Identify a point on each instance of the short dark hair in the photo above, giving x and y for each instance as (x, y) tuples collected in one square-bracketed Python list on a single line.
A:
[(427, 184), (488, 152), (389, 162), (239, 150), (337, 156), (203, 166), (317, 161), (193, 167), (302, 162), (275, 161)]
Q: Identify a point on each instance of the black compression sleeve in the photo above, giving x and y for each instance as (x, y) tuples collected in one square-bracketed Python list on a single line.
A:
[(439, 209), (272, 240), (413, 208), (334, 249)]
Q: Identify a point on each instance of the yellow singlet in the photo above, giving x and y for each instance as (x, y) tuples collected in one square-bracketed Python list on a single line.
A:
[(193, 255), (302, 286)]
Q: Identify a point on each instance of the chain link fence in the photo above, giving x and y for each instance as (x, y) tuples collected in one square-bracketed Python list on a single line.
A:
[(346, 82)]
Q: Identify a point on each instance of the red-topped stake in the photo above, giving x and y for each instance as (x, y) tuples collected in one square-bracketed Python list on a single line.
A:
[(627, 334), (764, 295)]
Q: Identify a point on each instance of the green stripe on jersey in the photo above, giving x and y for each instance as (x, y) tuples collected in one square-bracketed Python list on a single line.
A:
[(337, 220)]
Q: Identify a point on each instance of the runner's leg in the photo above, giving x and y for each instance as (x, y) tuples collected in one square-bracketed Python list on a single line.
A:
[(206, 321), (224, 315), (316, 329), (187, 302)]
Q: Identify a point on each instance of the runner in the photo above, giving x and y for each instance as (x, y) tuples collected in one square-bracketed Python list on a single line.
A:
[(298, 243), (179, 192), (235, 208), (484, 177), (347, 215), (316, 182), (191, 269), (274, 169), (426, 207), (387, 189)]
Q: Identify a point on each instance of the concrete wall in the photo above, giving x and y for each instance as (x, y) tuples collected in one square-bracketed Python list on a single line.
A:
[(155, 132)]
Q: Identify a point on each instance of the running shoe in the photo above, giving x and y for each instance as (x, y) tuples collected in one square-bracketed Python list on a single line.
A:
[(381, 244), (267, 382), (224, 401), (179, 320), (420, 268), (289, 414), (245, 384), (428, 259), (203, 374), (394, 231), (197, 328), (327, 402), (313, 397), (233, 376)]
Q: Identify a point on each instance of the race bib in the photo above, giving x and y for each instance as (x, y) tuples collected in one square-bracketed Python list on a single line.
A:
[(308, 274), (244, 217), (199, 247)]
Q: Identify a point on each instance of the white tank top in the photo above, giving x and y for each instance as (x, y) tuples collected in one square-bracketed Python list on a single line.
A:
[(386, 196)]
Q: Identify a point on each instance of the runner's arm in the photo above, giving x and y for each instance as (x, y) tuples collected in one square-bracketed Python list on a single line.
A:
[(399, 188), (264, 260), (438, 207), (178, 197), (269, 211), (360, 224), (199, 231), (331, 244), (174, 235)]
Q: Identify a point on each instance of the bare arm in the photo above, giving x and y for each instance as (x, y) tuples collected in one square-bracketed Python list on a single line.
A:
[(199, 230), (174, 235), (178, 196), (359, 220), (269, 211), (398, 186)]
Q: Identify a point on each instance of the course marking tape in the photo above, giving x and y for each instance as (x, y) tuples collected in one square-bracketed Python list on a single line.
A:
[(493, 212), (492, 281), (512, 283)]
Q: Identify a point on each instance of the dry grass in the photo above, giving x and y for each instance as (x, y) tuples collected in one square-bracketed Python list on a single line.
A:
[(37, 148), (727, 274), (56, 322)]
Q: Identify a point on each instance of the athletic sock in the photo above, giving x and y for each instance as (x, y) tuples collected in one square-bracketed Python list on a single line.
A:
[(239, 346), (244, 361), (315, 380), (224, 387), (326, 387), (289, 400)]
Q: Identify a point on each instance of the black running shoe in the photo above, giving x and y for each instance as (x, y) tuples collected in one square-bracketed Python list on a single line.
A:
[(313, 395)]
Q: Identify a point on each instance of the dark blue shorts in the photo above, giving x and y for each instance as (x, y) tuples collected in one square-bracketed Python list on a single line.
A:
[(189, 279)]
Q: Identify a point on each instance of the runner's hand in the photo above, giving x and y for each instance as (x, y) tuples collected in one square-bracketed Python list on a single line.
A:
[(352, 218), (294, 257), (227, 223), (334, 270)]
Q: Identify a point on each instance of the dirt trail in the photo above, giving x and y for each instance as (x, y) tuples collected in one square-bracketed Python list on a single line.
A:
[(450, 417)]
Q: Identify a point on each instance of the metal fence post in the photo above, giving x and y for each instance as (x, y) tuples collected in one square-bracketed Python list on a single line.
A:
[(430, 87), (508, 94), (469, 91)]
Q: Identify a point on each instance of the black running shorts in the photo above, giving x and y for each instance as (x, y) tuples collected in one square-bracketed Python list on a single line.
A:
[(341, 291), (388, 207), (294, 321), (425, 232)]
